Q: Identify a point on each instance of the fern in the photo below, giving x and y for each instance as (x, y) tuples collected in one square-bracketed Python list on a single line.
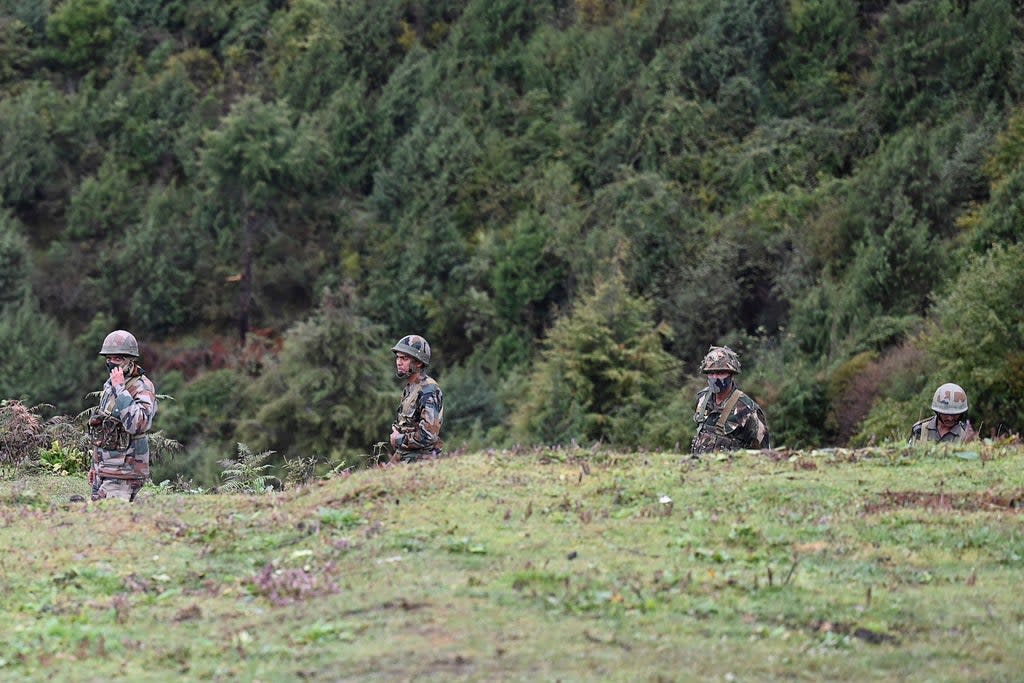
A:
[(247, 472)]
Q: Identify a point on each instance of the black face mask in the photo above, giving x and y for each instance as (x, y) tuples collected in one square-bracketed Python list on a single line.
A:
[(111, 365), (718, 385)]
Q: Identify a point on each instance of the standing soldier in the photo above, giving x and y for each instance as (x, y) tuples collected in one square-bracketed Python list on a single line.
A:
[(118, 426), (727, 419), (416, 431), (949, 424)]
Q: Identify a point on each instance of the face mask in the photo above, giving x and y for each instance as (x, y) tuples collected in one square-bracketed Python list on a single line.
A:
[(111, 365), (718, 385)]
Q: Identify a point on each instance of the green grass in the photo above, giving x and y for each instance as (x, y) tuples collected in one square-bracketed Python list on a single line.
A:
[(569, 565)]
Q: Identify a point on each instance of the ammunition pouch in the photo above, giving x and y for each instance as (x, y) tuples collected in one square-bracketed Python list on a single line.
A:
[(710, 441), (107, 432)]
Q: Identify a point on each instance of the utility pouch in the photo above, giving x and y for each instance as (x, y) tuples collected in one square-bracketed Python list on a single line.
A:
[(107, 432)]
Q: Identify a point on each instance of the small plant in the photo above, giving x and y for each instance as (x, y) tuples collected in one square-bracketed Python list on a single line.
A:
[(24, 436), (182, 484), (340, 519), (247, 473), (287, 586), (161, 447), (64, 460), (299, 471)]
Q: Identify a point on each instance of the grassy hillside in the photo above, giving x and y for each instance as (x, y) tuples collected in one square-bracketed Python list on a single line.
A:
[(534, 566)]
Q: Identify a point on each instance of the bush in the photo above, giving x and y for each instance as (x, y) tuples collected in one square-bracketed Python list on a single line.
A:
[(65, 460), (28, 442), (34, 349), (895, 379), (326, 392), (602, 373), (976, 337)]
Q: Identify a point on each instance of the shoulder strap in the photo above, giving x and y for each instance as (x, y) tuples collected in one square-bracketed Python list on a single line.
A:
[(730, 403), (701, 411)]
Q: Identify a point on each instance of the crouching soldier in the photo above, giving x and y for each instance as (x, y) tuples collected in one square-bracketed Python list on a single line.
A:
[(727, 419), (118, 426), (416, 432), (949, 424)]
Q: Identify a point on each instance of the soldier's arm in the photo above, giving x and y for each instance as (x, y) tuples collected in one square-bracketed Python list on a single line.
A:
[(759, 430), (136, 407)]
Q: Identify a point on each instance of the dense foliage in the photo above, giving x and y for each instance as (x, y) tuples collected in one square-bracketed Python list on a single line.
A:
[(571, 200)]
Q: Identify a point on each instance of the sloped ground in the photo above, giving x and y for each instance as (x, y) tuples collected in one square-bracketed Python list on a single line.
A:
[(529, 566)]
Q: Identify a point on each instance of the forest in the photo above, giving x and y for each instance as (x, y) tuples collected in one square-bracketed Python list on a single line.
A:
[(571, 200)]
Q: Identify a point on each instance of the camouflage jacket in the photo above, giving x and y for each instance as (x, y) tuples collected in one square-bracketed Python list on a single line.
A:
[(118, 428), (742, 426), (419, 419), (927, 430)]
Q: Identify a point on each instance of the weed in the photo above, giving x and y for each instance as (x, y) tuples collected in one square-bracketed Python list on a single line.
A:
[(24, 436), (299, 471), (64, 460), (247, 473), (339, 519), (286, 586), (466, 545)]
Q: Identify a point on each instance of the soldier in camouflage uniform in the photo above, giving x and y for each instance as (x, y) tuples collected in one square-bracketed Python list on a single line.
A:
[(949, 424), (118, 426), (727, 419), (416, 431)]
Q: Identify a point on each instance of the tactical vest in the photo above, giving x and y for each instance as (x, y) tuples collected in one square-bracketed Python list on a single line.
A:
[(720, 434)]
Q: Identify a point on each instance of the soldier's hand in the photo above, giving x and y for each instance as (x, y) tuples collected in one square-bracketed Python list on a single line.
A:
[(395, 434), (117, 377), (92, 476)]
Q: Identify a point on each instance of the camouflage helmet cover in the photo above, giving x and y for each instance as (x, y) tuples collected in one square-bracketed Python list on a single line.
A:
[(120, 343), (950, 399), (415, 346), (720, 359)]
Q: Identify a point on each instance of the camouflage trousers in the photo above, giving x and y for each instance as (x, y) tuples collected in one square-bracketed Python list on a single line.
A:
[(122, 489), (413, 456)]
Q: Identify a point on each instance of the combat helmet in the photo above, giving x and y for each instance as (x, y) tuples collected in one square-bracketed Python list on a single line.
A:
[(415, 346), (720, 359), (950, 399), (120, 343)]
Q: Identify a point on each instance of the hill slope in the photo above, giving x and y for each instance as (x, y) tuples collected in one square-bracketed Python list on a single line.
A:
[(543, 565)]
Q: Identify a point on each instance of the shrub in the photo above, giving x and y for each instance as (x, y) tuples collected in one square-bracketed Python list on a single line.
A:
[(894, 381), (325, 393), (602, 373), (976, 337), (32, 343), (248, 472), (27, 441), (65, 459)]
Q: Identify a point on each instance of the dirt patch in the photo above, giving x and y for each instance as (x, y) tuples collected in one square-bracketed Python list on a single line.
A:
[(866, 634), (984, 501)]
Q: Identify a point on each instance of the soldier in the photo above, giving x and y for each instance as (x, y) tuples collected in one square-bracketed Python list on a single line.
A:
[(949, 424), (118, 426), (416, 431), (727, 419)]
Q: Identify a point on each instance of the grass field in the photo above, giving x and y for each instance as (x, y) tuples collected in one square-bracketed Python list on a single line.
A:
[(534, 566)]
